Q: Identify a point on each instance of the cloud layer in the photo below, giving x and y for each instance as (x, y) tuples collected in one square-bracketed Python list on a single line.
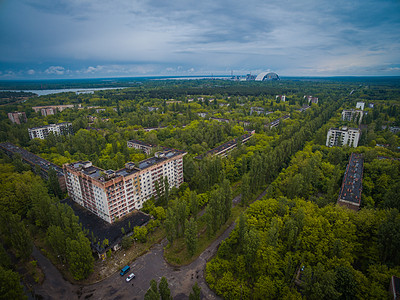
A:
[(83, 38)]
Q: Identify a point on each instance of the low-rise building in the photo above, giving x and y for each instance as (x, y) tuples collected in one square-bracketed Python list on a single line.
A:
[(350, 193), (224, 149), (258, 110), (112, 194), (140, 145), (17, 117), (38, 164), (343, 136), (44, 131)]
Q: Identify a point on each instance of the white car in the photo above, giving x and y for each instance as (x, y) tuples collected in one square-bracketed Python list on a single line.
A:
[(130, 277)]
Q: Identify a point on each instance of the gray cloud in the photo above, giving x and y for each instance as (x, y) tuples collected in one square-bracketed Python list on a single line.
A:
[(138, 37)]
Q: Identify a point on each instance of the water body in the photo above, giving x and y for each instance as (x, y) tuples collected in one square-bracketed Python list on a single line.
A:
[(57, 91)]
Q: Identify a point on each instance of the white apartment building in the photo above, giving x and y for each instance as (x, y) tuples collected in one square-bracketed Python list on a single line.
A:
[(352, 115), (43, 132), (344, 136), (360, 105), (112, 194)]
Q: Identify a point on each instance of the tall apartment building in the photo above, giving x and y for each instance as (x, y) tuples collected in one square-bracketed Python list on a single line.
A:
[(352, 115), (344, 136), (17, 117), (57, 129), (350, 193), (112, 194)]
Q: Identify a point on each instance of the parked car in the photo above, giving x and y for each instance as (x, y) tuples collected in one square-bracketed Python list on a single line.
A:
[(130, 277)]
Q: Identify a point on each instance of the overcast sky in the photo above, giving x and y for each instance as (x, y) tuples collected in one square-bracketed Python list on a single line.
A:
[(103, 38)]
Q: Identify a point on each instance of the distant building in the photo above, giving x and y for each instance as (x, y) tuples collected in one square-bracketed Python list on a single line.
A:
[(43, 132), (17, 117), (394, 129), (311, 99), (37, 163), (281, 97), (265, 76), (202, 114), (258, 110), (150, 108), (276, 122), (140, 145), (112, 194), (224, 149), (360, 105), (350, 193), (51, 109), (371, 105), (344, 136), (352, 115)]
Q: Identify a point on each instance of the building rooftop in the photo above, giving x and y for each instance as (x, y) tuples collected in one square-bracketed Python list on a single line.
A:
[(224, 146), (352, 181), (87, 168), (142, 143), (42, 163), (51, 125)]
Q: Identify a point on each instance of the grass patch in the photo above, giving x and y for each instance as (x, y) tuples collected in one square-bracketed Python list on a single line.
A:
[(177, 255)]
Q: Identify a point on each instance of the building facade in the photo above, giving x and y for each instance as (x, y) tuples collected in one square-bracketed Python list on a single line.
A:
[(43, 132), (112, 194), (344, 136), (360, 105), (17, 117), (352, 115), (51, 109)]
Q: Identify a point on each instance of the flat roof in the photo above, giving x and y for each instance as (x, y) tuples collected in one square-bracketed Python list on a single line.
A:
[(97, 173), (142, 143), (223, 146), (352, 181), (33, 158)]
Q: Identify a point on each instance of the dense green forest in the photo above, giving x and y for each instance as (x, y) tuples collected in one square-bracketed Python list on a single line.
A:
[(296, 226)]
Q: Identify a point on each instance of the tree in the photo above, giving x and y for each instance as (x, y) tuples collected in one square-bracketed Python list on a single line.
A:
[(227, 195), (170, 225), (191, 236), (194, 204), (152, 293), (164, 290), (196, 292), (245, 189), (140, 233), (10, 286), (57, 241), (53, 183), (79, 257)]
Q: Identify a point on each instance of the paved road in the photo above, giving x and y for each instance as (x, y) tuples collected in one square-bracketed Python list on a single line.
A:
[(149, 266)]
